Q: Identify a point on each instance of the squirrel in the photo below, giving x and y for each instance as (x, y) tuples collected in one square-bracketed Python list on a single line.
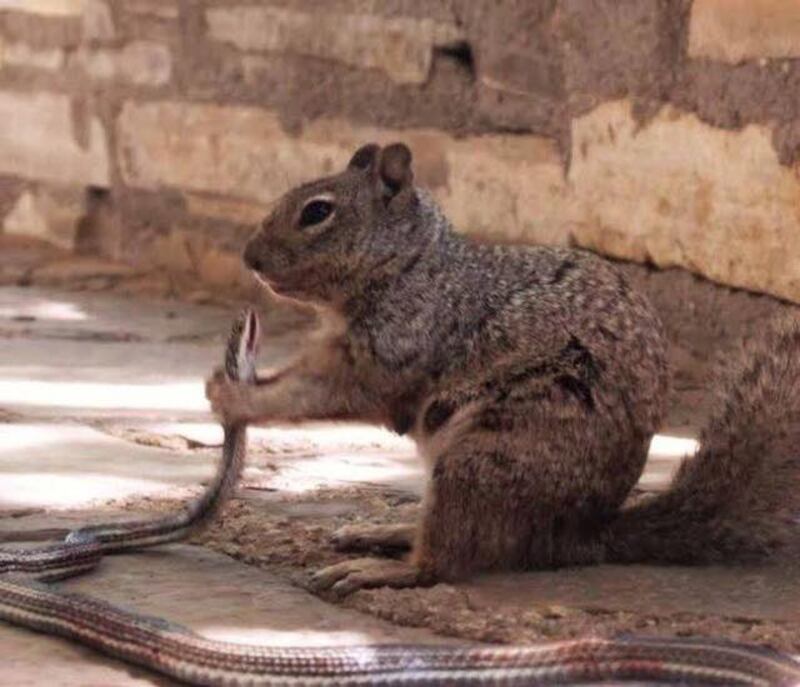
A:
[(531, 379)]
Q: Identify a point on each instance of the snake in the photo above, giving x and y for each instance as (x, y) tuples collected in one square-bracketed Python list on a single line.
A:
[(29, 598)]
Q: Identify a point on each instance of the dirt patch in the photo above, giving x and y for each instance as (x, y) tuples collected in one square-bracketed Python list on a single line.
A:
[(450, 611)]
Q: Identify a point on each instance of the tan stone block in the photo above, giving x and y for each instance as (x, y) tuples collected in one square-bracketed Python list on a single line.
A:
[(172, 252), (504, 186), (400, 46), (51, 8), (23, 55), (737, 30), (81, 269), (230, 209), (507, 188), (207, 148), (98, 25), (680, 192), (52, 217), (221, 268), (162, 9), (144, 63), (37, 141)]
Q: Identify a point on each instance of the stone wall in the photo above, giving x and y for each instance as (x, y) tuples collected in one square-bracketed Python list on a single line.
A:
[(157, 131)]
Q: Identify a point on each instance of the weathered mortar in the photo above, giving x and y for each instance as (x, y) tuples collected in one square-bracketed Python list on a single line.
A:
[(654, 130)]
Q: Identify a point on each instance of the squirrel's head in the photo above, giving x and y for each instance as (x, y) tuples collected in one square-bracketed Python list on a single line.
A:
[(326, 237)]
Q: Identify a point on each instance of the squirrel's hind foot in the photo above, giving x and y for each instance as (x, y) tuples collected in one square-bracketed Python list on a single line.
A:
[(379, 539)]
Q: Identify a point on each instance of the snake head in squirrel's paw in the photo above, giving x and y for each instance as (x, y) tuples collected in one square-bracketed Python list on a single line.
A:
[(231, 402)]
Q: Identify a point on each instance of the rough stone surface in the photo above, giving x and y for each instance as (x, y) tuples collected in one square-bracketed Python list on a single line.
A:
[(143, 63), (654, 192), (161, 9), (19, 54), (269, 94), (187, 251), (613, 48), (55, 8), (504, 186), (239, 211), (53, 216), (675, 192), (400, 46), (80, 269), (737, 30), (38, 141), (98, 24)]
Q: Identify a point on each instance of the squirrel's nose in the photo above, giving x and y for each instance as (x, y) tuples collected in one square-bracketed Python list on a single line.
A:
[(251, 257)]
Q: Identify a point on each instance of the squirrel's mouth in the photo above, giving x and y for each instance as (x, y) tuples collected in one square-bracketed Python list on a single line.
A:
[(263, 279), (270, 283)]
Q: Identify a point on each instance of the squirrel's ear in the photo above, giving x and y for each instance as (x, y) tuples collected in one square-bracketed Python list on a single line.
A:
[(365, 157), (395, 167)]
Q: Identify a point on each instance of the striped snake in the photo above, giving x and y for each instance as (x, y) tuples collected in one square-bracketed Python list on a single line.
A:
[(180, 653)]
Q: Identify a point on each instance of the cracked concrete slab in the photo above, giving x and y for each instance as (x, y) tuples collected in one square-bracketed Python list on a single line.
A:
[(55, 466)]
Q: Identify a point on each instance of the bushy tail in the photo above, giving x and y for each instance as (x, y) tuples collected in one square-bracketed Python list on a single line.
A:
[(738, 498)]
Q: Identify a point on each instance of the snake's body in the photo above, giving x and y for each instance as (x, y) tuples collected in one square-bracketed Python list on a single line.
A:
[(180, 653)]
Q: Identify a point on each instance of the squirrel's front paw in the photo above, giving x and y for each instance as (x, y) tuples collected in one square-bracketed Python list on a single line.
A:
[(231, 402)]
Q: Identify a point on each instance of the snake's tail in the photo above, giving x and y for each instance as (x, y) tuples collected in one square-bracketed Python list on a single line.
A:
[(739, 497)]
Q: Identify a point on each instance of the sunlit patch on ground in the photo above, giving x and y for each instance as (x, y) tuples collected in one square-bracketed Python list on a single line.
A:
[(42, 309), (71, 394), (70, 465), (666, 454), (279, 638)]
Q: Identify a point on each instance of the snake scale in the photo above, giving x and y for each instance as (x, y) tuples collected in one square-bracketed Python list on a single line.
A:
[(179, 653)]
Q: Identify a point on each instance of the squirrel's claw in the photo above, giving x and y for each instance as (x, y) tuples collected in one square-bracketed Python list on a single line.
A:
[(365, 573), (375, 538)]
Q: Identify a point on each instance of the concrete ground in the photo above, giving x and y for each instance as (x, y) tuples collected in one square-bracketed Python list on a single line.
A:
[(102, 416)]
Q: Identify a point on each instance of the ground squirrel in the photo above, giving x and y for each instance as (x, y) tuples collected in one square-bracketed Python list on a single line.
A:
[(532, 380)]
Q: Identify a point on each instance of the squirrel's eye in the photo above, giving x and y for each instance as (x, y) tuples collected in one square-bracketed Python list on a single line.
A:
[(315, 212)]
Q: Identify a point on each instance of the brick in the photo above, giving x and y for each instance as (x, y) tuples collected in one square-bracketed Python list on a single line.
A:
[(37, 141), (508, 187), (20, 54), (144, 63), (737, 30), (400, 46), (679, 192)]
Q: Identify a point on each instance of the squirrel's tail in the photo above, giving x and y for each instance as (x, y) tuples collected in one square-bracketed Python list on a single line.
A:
[(738, 498)]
